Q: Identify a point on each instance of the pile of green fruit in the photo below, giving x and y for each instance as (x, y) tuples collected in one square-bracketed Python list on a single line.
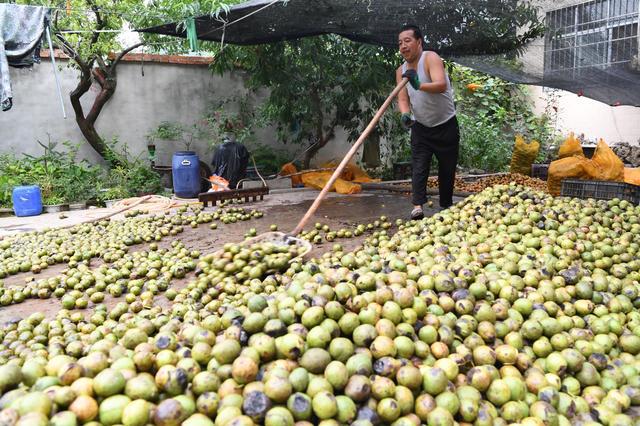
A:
[(322, 232), (123, 272), (35, 251), (140, 273), (512, 307)]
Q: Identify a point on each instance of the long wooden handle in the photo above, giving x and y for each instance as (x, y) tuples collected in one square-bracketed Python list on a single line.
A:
[(348, 157)]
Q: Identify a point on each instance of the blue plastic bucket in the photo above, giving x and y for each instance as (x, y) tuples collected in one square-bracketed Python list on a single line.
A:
[(27, 200), (185, 168)]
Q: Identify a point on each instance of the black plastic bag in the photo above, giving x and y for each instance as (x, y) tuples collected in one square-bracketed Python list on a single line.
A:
[(230, 161)]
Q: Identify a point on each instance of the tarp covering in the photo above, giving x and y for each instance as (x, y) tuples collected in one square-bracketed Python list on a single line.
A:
[(230, 162), (21, 30), (588, 48)]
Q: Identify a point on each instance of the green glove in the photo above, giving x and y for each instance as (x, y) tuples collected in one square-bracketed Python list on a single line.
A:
[(414, 80), (406, 120)]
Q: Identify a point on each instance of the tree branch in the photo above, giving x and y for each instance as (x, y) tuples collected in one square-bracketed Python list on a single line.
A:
[(100, 24), (101, 64), (98, 103), (99, 76), (71, 52), (124, 52)]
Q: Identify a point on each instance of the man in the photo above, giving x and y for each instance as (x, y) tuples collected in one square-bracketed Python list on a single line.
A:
[(433, 124)]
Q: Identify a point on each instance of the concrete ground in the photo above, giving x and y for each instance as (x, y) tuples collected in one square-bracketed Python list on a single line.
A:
[(283, 208)]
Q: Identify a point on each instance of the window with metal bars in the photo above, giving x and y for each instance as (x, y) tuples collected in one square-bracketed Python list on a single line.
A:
[(592, 36)]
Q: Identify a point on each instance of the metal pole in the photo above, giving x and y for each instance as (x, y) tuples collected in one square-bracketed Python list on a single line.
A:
[(55, 72)]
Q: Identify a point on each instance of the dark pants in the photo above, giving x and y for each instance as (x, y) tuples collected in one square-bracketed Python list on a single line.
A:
[(442, 141)]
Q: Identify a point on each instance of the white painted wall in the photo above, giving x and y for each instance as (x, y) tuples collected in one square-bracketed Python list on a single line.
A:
[(594, 119), (166, 92)]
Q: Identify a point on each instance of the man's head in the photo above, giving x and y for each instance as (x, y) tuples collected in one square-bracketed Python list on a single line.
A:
[(410, 42)]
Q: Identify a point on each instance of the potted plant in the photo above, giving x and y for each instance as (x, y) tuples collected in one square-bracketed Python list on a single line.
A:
[(114, 194), (54, 203), (6, 185), (169, 132), (79, 185)]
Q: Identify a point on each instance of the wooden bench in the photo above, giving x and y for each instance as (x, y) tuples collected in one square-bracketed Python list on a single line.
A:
[(246, 193)]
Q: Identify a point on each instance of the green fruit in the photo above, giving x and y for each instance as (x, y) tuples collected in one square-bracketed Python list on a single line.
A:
[(64, 418), (440, 417), (498, 392), (358, 388), (108, 382), (207, 404), (279, 416), (337, 374), (278, 389), (388, 410), (169, 413), (434, 381), (32, 370), (136, 413), (143, 386), (34, 402), (299, 405), (205, 381), (325, 405), (315, 360), (256, 405), (198, 420), (347, 409), (188, 404), (410, 377), (448, 401), (112, 408), (33, 419), (10, 376)]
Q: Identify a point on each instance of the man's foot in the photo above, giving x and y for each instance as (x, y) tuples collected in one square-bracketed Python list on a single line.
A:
[(417, 213)]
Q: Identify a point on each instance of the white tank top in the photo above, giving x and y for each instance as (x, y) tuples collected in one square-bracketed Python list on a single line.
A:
[(430, 109)]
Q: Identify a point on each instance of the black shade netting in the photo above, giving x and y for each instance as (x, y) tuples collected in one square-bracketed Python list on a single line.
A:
[(588, 48)]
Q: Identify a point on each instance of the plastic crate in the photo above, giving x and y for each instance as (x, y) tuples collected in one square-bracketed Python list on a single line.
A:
[(540, 171), (600, 190)]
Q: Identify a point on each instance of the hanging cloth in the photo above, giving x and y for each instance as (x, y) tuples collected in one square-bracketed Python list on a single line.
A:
[(192, 34), (21, 31)]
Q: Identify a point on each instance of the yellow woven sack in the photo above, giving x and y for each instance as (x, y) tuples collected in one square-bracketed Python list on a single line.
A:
[(524, 154), (289, 169), (567, 168), (570, 148), (317, 180), (347, 172), (632, 176), (608, 166), (359, 175), (344, 187)]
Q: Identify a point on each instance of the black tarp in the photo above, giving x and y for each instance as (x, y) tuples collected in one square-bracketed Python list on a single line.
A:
[(230, 160)]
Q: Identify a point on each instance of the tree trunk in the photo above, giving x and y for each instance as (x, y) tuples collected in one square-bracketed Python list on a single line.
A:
[(87, 123), (105, 75), (323, 139)]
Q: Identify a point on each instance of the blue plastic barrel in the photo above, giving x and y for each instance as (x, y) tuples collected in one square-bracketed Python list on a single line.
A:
[(27, 200), (185, 167)]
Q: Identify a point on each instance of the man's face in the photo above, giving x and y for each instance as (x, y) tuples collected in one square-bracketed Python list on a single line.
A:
[(409, 46)]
